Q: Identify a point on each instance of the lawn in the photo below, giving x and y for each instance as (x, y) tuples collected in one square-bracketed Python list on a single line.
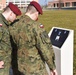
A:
[(63, 19)]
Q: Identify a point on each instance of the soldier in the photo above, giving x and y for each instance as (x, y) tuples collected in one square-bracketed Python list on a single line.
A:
[(8, 15), (33, 43)]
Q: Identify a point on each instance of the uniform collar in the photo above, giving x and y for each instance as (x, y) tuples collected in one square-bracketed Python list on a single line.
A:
[(27, 18), (4, 20)]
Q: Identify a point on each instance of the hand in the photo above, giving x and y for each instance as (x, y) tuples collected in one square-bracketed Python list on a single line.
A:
[(1, 64), (51, 73), (54, 72)]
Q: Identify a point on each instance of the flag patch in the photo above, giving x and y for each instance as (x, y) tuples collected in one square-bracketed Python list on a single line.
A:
[(0, 25), (41, 26)]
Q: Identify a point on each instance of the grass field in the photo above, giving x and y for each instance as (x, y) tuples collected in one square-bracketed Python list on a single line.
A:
[(63, 19)]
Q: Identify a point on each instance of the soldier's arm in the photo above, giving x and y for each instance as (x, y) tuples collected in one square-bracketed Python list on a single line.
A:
[(13, 32), (1, 31), (44, 46)]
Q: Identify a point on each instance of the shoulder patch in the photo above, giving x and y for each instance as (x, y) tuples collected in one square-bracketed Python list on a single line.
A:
[(0, 25), (41, 26)]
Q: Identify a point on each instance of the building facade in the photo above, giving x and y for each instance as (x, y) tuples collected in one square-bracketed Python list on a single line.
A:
[(2, 4), (62, 3), (19, 3)]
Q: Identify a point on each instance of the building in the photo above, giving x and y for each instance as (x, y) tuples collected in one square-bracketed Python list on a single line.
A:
[(19, 3), (62, 3), (2, 4)]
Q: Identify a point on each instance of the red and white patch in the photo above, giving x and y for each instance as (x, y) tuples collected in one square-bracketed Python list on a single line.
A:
[(41, 26), (0, 25)]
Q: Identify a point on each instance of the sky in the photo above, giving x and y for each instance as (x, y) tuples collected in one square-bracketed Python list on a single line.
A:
[(43, 2)]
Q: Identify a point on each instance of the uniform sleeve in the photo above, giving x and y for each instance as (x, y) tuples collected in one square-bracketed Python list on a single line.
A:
[(14, 33), (44, 46)]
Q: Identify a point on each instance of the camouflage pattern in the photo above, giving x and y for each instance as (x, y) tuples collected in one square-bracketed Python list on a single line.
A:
[(5, 47), (34, 47)]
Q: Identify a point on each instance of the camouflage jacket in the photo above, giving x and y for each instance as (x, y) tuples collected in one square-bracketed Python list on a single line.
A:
[(5, 46), (34, 46)]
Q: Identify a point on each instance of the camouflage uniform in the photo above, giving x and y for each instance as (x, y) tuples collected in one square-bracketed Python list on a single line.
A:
[(34, 47), (5, 47)]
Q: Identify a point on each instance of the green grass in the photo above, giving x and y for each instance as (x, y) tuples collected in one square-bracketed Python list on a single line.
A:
[(63, 19)]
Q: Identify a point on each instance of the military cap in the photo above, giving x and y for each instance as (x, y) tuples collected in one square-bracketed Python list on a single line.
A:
[(14, 8), (37, 6)]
